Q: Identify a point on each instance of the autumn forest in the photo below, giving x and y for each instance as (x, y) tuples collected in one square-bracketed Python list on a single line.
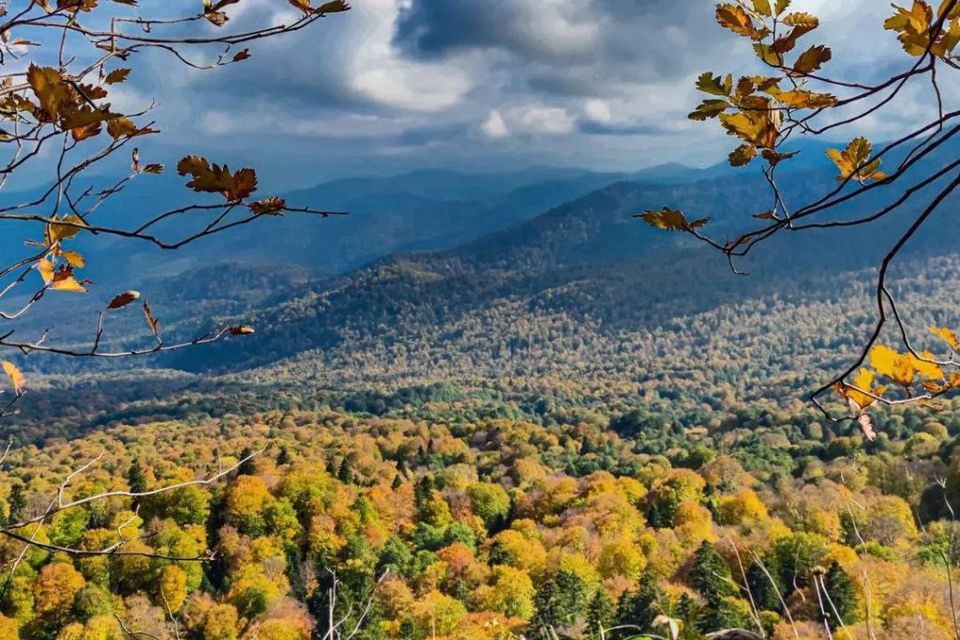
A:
[(420, 320)]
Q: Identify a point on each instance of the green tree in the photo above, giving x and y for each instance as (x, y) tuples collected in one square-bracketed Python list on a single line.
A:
[(711, 574), (600, 614), (559, 602), (638, 609), (17, 502), (843, 593)]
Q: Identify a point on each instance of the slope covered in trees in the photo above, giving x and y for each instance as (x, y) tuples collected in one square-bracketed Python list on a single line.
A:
[(484, 528)]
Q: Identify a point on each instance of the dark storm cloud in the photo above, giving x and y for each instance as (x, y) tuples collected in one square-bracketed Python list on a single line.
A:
[(566, 48)]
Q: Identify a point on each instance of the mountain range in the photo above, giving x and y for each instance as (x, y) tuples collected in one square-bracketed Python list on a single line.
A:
[(579, 301)]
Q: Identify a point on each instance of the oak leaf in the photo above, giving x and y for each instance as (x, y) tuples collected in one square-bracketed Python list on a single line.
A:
[(672, 220)]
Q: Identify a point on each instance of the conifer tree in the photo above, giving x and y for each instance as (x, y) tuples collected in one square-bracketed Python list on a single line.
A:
[(17, 502), (842, 592), (641, 607), (711, 574), (600, 614)]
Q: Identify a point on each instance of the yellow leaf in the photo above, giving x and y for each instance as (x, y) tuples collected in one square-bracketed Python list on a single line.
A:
[(121, 128), (68, 283), (893, 365), (743, 155), (802, 99), (763, 7), (854, 162), (715, 85), (709, 109), (925, 366), (801, 19), (913, 26), (74, 259), (860, 393), (736, 19), (15, 376), (947, 336), (59, 231)]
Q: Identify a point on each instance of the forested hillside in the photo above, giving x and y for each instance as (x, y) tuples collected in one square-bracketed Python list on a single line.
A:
[(474, 527)]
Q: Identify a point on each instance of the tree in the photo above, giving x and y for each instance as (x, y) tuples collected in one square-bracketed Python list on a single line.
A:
[(796, 97), (559, 602), (136, 478), (56, 587), (842, 593), (638, 609), (62, 122), (600, 614), (711, 574)]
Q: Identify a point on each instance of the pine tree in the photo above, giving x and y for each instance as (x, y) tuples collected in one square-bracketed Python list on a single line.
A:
[(764, 590), (284, 456), (712, 578), (397, 482), (641, 607), (17, 502), (600, 613), (247, 468), (559, 602), (136, 480), (711, 574), (345, 472), (843, 593), (423, 491)]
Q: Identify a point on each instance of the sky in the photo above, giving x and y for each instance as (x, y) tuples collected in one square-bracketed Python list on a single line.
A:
[(486, 85)]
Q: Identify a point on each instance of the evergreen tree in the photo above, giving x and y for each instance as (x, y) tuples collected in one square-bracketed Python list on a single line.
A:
[(136, 480), (712, 578), (764, 590), (711, 575), (345, 472), (247, 468), (638, 609), (600, 613), (284, 456), (559, 602), (423, 490), (843, 593), (397, 481), (17, 502), (723, 613)]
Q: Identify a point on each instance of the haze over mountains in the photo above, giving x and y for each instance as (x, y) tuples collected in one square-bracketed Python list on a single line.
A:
[(540, 276)]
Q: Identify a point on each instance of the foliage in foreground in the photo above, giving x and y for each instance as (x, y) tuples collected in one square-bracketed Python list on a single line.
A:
[(486, 529)]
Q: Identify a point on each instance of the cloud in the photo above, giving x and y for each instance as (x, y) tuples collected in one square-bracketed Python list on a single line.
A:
[(458, 81), (495, 126)]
